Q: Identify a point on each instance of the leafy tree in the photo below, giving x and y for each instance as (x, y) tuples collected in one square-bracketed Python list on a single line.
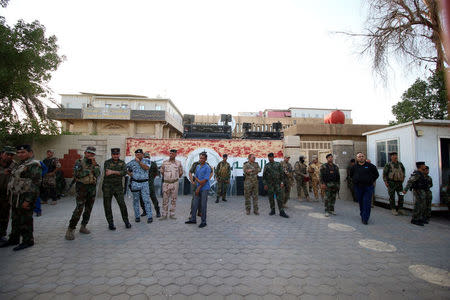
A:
[(423, 100)]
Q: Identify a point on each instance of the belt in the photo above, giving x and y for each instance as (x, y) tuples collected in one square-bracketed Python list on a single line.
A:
[(141, 180), (171, 181)]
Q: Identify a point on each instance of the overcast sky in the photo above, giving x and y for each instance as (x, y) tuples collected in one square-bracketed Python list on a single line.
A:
[(213, 57)]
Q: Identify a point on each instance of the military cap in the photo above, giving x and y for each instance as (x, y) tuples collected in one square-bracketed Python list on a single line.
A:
[(115, 150), (420, 163), (270, 154), (91, 149), (24, 147), (146, 154), (174, 151), (225, 155), (139, 151), (9, 150), (301, 156), (328, 155), (393, 153)]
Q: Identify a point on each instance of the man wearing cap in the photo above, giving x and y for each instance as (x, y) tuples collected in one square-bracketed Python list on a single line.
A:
[(49, 180), (114, 171), (273, 180), (23, 190), (314, 174), (393, 177), (171, 171), (301, 177), (330, 181), (138, 170), (222, 173), (289, 179), (418, 184), (6, 165), (152, 173), (85, 172)]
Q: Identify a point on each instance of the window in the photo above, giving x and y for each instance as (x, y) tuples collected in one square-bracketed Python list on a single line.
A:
[(124, 106), (141, 107), (383, 150), (108, 105), (158, 107)]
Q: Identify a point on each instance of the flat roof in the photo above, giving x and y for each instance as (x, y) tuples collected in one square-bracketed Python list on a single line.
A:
[(320, 108), (416, 122)]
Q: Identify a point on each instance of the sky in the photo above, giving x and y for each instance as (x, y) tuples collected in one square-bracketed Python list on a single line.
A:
[(213, 57)]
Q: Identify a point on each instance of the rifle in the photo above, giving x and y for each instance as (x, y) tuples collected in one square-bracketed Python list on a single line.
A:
[(71, 184)]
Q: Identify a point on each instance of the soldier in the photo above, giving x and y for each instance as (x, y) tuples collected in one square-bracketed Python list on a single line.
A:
[(171, 171), (330, 182), (193, 184), (393, 177), (153, 172), (138, 171), (301, 177), (428, 194), (23, 190), (289, 179), (273, 179), (251, 170), (418, 183), (314, 174), (350, 180), (85, 172), (49, 180), (222, 173), (114, 169), (6, 165)]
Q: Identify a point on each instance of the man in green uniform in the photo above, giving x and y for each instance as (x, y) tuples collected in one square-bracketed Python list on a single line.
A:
[(301, 177), (114, 171), (289, 175), (330, 181), (251, 170), (393, 177), (428, 194), (86, 172), (23, 190), (273, 179), (418, 184), (6, 165), (222, 173), (153, 172)]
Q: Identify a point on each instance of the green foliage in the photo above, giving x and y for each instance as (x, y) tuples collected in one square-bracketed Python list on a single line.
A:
[(423, 100)]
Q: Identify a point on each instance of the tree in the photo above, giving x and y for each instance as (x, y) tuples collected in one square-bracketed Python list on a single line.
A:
[(423, 100)]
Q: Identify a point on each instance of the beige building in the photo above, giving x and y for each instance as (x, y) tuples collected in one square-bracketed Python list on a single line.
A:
[(118, 114)]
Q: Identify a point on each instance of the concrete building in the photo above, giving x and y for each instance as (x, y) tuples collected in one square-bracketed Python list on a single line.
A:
[(118, 114)]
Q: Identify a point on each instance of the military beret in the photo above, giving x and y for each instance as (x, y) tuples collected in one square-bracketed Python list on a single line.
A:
[(146, 154), (115, 150), (420, 163), (174, 151), (24, 147), (301, 156), (270, 154), (225, 155), (9, 149), (139, 151), (328, 155), (91, 149), (393, 153)]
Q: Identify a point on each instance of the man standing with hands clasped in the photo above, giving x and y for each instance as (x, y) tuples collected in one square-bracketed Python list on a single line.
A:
[(171, 171), (273, 179)]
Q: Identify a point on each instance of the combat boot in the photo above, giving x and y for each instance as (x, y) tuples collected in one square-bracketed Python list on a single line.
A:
[(84, 230), (111, 226), (283, 214), (394, 212), (272, 212), (217, 200), (256, 212), (70, 234), (158, 213)]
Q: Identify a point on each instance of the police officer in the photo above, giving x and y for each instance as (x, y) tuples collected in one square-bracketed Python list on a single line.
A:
[(86, 172), (153, 172), (393, 177), (273, 179), (330, 182), (251, 170), (222, 173), (418, 184), (114, 171), (6, 165)]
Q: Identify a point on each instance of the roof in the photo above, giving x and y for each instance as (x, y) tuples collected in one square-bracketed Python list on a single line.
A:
[(426, 122), (319, 108)]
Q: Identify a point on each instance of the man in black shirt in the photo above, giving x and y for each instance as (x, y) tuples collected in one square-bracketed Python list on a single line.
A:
[(364, 175)]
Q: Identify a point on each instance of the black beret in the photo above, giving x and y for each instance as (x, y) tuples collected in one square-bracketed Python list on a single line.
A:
[(173, 150), (270, 154), (393, 153), (225, 155), (139, 151), (24, 147), (328, 155), (115, 150), (420, 163)]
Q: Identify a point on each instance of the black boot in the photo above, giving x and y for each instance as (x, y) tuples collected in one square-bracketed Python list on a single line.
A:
[(158, 214), (9, 243), (272, 212), (127, 225), (143, 214), (217, 200), (283, 214), (111, 226), (23, 246)]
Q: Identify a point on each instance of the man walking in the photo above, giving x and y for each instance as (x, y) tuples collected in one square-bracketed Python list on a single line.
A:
[(85, 172), (6, 165), (289, 176), (153, 172), (251, 170), (202, 175), (49, 180), (330, 181), (222, 173), (273, 179), (418, 183), (171, 171), (114, 169), (393, 177), (301, 177), (364, 174), (314, 175)]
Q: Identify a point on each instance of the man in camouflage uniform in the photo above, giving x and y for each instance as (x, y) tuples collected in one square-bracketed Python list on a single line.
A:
[(314, 175), (301, 177), (23, 190), (273, 179), (6, 165), (114, 171), (393, 177), (289, 175), (194, 185), (49, 179), (86, 172), (153, 172), (251, 170), (330, 181), (350, 180), (171, 171), (222, 173), (418, 183), (428, 194)]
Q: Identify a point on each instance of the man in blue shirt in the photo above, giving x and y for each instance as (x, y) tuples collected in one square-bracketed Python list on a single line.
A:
[(202, 175)]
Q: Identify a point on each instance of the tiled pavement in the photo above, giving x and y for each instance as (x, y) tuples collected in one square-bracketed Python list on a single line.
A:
[(236, 256)]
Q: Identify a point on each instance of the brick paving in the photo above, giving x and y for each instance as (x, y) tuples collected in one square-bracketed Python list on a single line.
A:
[(235, 257)]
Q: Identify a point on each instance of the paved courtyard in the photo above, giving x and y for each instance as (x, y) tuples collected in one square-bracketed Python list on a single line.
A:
[(236, 256)]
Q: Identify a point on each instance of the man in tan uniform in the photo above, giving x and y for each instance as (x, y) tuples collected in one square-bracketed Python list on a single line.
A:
[(301, 177), (289, 174), (171, 171), (314, 174)]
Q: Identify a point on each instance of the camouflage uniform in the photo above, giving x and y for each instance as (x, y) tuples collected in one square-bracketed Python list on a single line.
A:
[(394, 175), (223, 173), (139, 187), (288, 172), (301, 177), (428, 196), (251, 171), (171, 175), (329, 175), (5, 206), (418, 184), (24, 187), (49, 180), (153, 172), (113, 186), (273, 177), (86, 175), (314, 174)]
